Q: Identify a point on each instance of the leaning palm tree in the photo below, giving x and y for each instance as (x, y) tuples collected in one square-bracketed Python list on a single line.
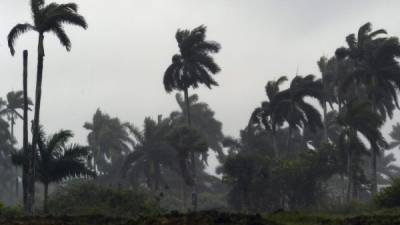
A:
[(358, 118), (377, 71), (108, 139), (267, 115), (328, 69), (46, 18), (192, 67), (291, 105), (57, 160)]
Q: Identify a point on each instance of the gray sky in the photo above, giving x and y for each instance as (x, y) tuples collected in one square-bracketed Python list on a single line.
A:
[(118, 63)]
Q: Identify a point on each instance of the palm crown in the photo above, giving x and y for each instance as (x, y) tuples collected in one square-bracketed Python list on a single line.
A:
[(193, 65), (49, 18)]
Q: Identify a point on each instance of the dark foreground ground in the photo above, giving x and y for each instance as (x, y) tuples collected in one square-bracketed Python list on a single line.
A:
[(213, 218)]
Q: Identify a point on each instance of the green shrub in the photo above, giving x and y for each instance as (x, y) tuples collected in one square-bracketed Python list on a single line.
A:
[(390, 196), (92, 199), (10, 212)]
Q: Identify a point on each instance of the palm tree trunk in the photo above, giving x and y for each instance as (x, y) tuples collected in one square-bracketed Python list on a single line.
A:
[(374, 152), (35, 136), (325, 122), (192, 154), (25, 131), (274, 142), (374, 173), (289, 137), (16, 167), (350, 175), (275, 145), (45, 199)]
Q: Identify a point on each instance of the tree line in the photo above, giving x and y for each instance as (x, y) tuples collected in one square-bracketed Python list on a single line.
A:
[(294, 153)]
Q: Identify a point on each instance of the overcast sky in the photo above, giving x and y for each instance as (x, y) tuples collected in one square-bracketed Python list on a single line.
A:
[(117, 64)]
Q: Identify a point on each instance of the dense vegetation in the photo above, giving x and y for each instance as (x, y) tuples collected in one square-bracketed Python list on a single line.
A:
[(315, 144)]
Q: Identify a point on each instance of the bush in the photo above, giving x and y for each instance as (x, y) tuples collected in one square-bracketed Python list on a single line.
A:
[(390, 196), (92, 199), (10, 212)]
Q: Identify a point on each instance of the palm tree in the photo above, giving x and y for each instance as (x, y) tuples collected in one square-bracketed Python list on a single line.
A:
[(298, 113), (151, 152), (193, 66), (267, 115), (358, 118), (57, 160), (15, 102), (46, 18), (108, 138), (328, 69), (377, 71), (203, 119)]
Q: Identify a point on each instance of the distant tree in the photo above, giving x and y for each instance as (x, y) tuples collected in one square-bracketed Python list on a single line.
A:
[(387, 169), (377, 70), (328, 69), (186, 140), (108, 139), (15, 102), (151, 152), (46, 18), (268, 114), (56, 160), (203, 120), (358, 118), (291, 104), (193, 66)]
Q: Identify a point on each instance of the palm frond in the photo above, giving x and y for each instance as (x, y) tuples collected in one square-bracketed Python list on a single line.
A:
[(62, 36), (17, 31)]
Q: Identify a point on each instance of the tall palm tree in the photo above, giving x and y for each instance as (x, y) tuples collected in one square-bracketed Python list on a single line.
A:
[(46, 18), (359, 118), (267, 114), (108, 138), (377, 70), (193, 66), (291, 104), (57, 160), (151, 152)]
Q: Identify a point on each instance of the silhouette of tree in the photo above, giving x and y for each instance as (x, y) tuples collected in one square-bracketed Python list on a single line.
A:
[(108, 140), (377, 69), (268, 115), (151, 152), (57, 160), (46, 18), (203, 120), (193, 66), (291, 105)]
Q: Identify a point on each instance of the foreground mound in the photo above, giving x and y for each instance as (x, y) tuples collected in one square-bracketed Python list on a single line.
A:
[(207, 218), (200, 218)]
